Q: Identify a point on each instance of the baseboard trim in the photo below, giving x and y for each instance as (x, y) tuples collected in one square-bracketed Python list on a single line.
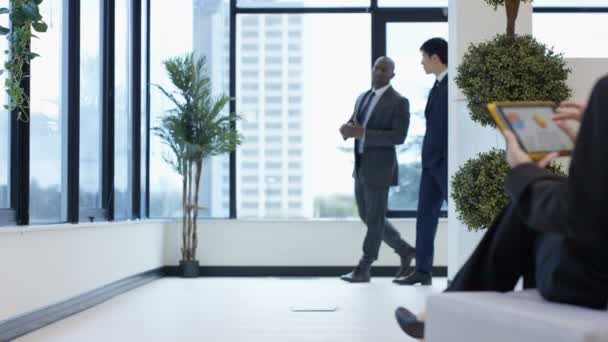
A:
[(295, 271), (26, 323)]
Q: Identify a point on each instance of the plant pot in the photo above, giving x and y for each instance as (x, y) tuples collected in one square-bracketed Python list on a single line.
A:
[(189, 268)]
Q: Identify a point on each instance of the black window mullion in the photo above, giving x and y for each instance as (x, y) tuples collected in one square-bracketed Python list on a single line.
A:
[(136, 106), (20, 160), (570, 9), (233, 13), (20, 157), (108, 109), (73, 112), (147, 190)]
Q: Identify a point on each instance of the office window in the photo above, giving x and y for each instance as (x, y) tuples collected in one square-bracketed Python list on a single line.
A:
[(5, 128), (205, 30), (563, 32), (402, 39), (123, 154), (90, 105), (413, 3), (302, 3), (47, 119), (570, 3)]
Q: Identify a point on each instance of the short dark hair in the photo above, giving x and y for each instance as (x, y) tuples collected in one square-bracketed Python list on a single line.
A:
[(436, 46)]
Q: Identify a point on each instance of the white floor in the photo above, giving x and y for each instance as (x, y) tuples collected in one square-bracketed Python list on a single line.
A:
[(245, 309)]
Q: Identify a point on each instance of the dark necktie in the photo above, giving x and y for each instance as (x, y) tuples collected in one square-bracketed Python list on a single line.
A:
[(435, 86), (362, 113)]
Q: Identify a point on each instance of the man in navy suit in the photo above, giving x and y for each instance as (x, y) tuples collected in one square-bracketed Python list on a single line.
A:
[(434, 179)]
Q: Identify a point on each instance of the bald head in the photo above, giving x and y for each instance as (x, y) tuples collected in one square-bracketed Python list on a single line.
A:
[(383, 72)]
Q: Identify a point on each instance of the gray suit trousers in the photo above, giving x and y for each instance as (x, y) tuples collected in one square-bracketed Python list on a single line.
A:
[(372, 206)]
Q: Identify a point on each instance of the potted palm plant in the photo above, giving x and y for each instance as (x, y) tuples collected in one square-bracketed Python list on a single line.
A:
[(195, 129)]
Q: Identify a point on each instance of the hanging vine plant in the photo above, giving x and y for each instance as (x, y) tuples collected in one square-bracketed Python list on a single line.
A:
[(24, 16)]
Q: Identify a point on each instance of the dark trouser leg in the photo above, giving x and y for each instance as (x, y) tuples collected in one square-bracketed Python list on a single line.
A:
[(371, 203), (430, 199), (506, 252), (394, 240)]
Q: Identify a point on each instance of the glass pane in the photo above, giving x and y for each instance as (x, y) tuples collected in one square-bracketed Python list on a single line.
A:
[(206, 32), (295, 87), (570, 3), (165, 41), (90, 105), (122, 110), (212, 39), (47, 126), (5, 126), (302, 3), (413, 3), (403, 41), (563, 31)]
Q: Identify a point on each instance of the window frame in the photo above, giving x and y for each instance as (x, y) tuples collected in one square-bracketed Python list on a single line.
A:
[(380, 16), (18, 213)]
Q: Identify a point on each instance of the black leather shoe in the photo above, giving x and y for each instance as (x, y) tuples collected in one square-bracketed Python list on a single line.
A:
[(406, 261), (409, 323), (358, 275), (415, 278)]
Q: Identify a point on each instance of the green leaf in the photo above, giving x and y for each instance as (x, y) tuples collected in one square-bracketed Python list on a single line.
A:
[(4, 10), (40, 26), (38, 2), (32, 55), (31, 11), (4, 31)]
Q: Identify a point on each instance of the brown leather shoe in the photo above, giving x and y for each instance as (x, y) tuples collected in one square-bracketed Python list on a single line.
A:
[(406, 261), (409, 323), (358, 275)]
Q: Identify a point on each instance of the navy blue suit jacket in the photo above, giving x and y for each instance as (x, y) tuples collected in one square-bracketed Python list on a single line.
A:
[(435, 144)]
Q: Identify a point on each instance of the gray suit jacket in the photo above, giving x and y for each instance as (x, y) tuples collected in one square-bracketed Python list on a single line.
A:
[(386, 128)]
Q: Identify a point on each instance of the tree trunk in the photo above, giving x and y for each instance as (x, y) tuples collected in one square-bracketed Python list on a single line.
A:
[(512, 7), (197, 182), (189, 213), (184, 210)]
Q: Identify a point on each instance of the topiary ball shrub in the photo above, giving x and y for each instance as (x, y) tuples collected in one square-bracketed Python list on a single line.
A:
[(510, 68), (478, 188), (496, 3)]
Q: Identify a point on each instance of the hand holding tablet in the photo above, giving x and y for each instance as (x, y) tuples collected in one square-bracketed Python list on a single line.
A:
[(533, 125)]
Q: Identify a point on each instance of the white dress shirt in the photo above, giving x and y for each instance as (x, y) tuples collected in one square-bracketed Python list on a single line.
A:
[(441, 76)]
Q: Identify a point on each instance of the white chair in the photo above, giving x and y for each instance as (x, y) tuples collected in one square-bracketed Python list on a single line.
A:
[(520, 316)]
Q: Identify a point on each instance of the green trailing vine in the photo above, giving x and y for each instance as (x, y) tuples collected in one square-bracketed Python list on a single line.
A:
[(24, 16)]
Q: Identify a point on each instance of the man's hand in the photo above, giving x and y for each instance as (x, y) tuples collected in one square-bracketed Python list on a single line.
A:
[(517, 156), (350, 130), (569, 116)]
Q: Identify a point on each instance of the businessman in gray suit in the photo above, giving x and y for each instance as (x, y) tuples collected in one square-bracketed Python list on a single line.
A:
[(379, 123)]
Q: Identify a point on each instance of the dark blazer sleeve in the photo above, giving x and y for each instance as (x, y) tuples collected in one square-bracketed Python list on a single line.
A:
[(542, 199), (399, 126)]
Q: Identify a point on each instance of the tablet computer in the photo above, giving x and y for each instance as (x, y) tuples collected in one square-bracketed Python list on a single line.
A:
[(532, 123)]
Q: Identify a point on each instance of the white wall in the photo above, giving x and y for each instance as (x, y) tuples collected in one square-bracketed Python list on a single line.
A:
[(44, 265), (585, 72), (291, 243)]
